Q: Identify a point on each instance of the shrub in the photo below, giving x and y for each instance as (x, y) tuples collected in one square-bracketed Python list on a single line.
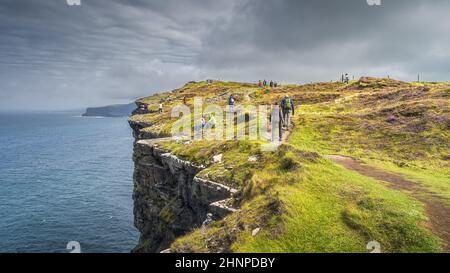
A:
[(288, 164)]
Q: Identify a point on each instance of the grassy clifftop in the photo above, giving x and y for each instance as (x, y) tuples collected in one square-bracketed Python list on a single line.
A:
[(218, 92), (297, 199)]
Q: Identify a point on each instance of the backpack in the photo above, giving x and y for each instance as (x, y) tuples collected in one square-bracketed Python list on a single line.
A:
[(287, 104)]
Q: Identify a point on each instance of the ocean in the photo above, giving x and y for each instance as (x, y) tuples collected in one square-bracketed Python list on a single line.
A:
[(65, 178)]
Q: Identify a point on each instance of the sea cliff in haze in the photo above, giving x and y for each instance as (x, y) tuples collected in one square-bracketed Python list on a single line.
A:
[(118, 110)]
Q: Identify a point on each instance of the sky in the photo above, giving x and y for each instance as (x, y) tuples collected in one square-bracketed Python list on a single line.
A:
[(54, 56)]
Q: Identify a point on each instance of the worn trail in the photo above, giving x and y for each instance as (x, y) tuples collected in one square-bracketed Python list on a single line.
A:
[(438, 213)]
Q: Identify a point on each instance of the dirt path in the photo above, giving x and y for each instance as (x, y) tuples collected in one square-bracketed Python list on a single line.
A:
[(286, 134), (438, 213)]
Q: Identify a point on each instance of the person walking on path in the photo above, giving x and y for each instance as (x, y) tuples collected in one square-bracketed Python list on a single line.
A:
[(160, 108), (271, 84), (276, 121), (287, 105), (211, 122), (260, 85), (264, 83)]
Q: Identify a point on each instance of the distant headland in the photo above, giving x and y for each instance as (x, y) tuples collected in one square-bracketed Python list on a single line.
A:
[(117, 110)]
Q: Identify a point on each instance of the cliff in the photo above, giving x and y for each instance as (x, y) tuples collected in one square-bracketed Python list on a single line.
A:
[(170, 199), (230, 196), (118, 110)]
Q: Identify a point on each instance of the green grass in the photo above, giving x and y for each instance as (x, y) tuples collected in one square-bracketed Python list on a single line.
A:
[(305, 203), (336, 210), (434, 180), (417, 156), (326, 208), (234, 168)]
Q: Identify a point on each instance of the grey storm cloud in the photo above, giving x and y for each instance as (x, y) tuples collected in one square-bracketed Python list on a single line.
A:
[(55, 56), (317, 40)]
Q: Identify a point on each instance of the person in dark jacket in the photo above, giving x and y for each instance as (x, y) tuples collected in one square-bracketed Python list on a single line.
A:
[(288, 108), (231, 103)]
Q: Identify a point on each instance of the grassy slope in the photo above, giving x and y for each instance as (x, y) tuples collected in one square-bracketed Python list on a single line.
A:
[(305, 203), (335, 210), (414, 142)]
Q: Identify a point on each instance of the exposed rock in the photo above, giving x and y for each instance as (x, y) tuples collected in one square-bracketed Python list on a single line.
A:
[(139, 134), (222, 208), (137, 127), (256, 231), (169, 198), (217, 158), (253, 159)]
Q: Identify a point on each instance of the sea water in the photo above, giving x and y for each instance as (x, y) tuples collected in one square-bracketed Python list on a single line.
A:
[(65, 178)]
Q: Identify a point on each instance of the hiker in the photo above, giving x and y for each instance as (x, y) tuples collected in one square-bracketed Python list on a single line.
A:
[(160, 108), (275, 84), (264, 83), (346, 78), (271, 84), (260, 85), (231, 102), (202, 124), (342, 78), (211, 122), (287, 105), (276, 119)]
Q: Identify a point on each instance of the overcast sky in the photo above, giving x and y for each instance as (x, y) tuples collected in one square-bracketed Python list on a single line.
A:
[(55, 56)]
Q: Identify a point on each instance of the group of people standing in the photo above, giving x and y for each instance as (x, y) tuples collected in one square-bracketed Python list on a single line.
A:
[(263, 84)]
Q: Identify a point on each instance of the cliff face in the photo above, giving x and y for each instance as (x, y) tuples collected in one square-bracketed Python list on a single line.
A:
[(169, 198), (119, 110), (137, 133)]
